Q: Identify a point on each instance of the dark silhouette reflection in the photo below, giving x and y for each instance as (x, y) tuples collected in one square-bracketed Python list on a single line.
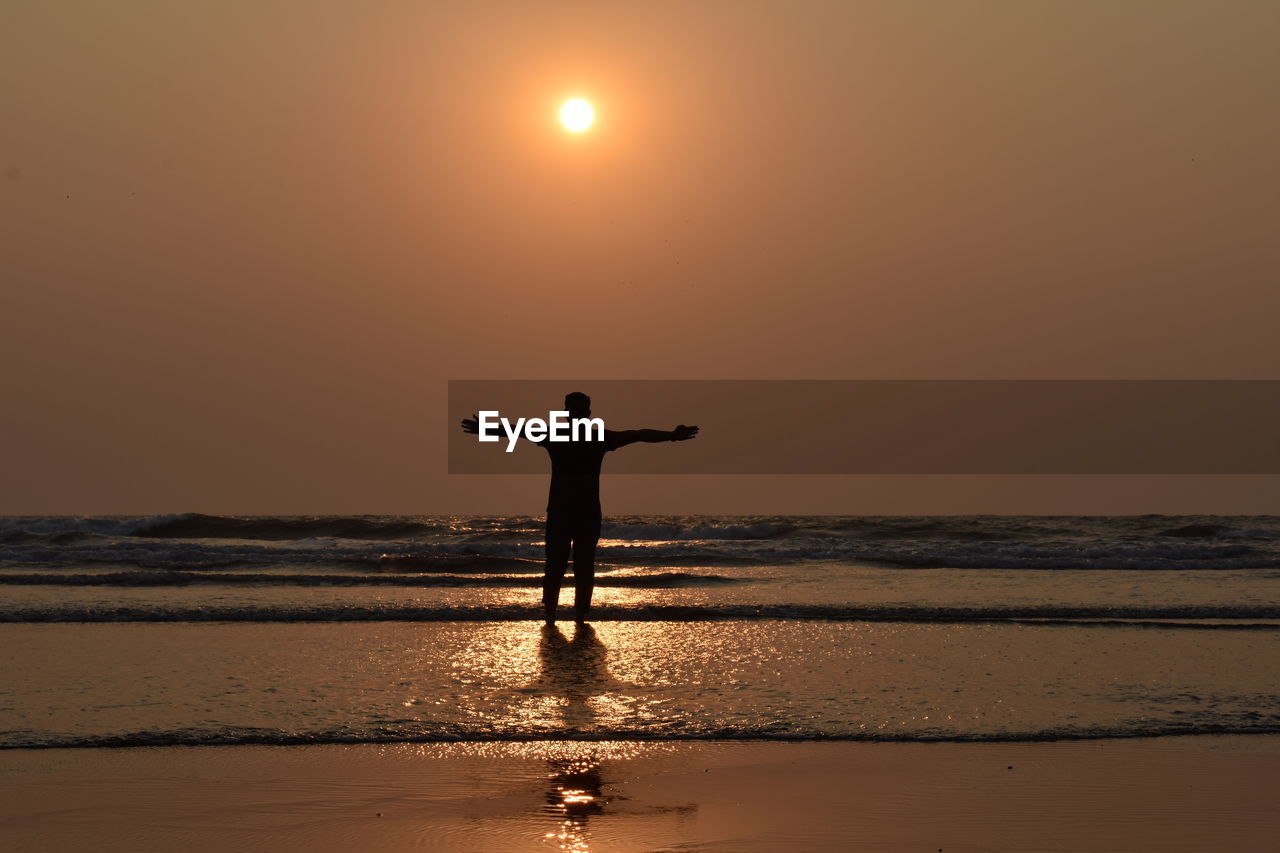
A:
[(575, 670), (574, 794)]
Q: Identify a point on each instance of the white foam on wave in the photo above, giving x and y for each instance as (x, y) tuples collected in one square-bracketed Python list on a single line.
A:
[(1093, 544), (635, 531)]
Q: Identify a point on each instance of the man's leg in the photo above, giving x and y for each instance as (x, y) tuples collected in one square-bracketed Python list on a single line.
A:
[(558, 545), (586, 535)]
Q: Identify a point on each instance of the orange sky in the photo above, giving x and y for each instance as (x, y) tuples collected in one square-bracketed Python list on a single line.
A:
[(246, 244)]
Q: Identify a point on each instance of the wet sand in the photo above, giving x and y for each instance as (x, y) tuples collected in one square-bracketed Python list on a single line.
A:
[(1166, 794)]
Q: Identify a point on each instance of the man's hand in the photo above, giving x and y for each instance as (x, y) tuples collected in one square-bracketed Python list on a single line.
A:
[(684, 433), (471, 425)]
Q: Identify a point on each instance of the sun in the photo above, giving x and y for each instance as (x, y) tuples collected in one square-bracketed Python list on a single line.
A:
[(577, 115)]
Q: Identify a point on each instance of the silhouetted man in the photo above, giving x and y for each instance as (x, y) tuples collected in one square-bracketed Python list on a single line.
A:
[(573, 505)]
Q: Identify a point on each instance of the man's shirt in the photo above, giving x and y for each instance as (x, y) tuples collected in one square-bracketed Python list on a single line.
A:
[(575, 474)]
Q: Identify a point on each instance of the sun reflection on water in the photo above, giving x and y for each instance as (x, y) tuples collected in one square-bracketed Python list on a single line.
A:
[(560, 685), (574, 795), (549, 682)]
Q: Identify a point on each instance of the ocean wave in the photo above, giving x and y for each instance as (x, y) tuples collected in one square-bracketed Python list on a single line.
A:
[(642, 531), (464, 562), (267, 528), (427, 557), (1219, 531), (164, 555), (197, 526), (52, 528), (990, 528), (1073, 557), (661, 580), (401, 543), (1177, 616), (426, 733)]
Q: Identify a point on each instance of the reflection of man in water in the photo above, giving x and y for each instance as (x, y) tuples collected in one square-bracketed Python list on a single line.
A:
[(573, 506), (575, 670), (575, 793)]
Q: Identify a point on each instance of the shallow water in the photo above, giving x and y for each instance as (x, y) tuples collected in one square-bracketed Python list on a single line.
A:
[(120, 684), (199, 629)]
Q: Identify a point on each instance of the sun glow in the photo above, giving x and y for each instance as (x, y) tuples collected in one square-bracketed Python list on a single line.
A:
[(577, 115)]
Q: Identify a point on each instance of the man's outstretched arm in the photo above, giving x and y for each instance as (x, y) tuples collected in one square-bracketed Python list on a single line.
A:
[(621, 438)]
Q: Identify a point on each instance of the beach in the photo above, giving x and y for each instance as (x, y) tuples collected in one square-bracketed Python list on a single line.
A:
[(786, 683), (888, 392), (1161, 794)]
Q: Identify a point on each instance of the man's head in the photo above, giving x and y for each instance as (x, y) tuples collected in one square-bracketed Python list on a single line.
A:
[(577, 404)]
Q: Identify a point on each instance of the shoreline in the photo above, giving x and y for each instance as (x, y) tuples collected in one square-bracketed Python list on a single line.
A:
[(1182, 793), (149, 741)]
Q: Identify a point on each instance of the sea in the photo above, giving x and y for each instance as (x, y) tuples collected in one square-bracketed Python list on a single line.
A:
[(196, 629)]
